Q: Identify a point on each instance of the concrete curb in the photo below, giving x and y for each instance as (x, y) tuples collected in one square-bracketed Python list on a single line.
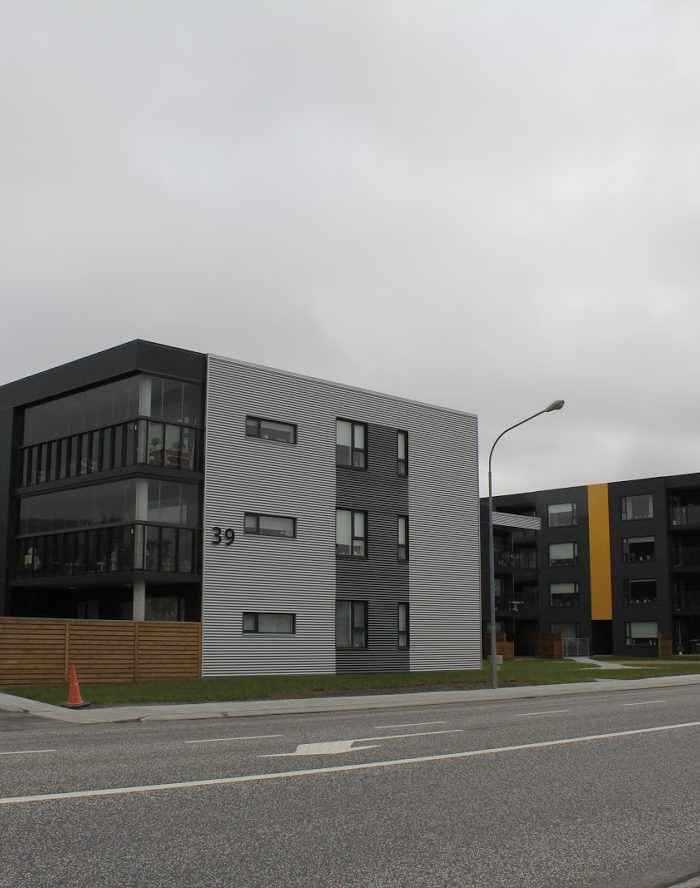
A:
[(248, 709)]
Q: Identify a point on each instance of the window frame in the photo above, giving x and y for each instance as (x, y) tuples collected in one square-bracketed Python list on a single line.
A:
[(631, 581), (572, 523), (256, 618), (402, 556), (353, 450), (563, 562), (627, 559), (353, 538), (402, 463), (624, 516), (629, 638), (355, 604), (406, 632), (574, 596), (261, 419), (258, 532)]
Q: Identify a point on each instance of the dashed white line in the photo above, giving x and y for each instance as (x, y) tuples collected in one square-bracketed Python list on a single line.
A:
[(410, 725), (26, 751), (543, 712), (226, 739), (335, 769), (644, 703)]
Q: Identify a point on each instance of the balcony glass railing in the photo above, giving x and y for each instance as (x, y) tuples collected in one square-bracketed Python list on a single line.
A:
[(683, 515), (107, 550), (687, 556), (525, 559)]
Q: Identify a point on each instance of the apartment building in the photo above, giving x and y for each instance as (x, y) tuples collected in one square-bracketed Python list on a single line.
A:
[(615, 566), (310, 526)]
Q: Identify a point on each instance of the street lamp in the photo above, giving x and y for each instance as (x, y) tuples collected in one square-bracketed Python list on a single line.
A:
[(555, 405)]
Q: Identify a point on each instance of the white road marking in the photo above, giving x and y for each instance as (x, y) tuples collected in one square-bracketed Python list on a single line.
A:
[(335, 769), (410, 725), (226, 739), (543, 712), (26, 751), (644, 703), (336, 747)]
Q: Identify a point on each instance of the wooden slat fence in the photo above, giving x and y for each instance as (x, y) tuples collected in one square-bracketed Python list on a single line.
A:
[(39, 651)]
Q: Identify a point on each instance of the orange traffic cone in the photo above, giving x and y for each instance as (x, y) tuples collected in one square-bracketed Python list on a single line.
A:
[(75, 701)]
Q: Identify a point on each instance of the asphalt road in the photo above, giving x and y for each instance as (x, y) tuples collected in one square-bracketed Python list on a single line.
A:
[(458, 795)]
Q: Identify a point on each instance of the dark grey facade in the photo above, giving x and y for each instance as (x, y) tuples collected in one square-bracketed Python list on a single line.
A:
[(381, 579), (630, 572), (66, 547)]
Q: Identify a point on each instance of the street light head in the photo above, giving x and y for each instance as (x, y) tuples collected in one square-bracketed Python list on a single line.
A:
[(555, 405)]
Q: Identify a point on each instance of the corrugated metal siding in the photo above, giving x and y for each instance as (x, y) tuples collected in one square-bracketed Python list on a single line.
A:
[(506, 519), (380, 580), (258, 573), (444, 566), (246, 474)]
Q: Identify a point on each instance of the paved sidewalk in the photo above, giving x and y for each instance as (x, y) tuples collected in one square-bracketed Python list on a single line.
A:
[(174, 712)]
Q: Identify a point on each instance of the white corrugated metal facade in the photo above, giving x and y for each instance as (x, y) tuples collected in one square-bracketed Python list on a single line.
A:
[(270, 574)]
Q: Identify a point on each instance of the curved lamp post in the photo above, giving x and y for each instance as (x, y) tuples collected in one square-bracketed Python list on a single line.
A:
[(555, 405)]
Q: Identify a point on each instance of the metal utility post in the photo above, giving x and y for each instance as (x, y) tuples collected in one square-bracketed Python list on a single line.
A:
[(555, 405)]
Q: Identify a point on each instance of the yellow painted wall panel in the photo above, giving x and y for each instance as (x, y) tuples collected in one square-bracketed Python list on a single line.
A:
[(599, 540)]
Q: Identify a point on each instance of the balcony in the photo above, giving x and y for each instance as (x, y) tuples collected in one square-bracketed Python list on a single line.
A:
[(684, 516), (520, 600), (687, 600), (523, 559), (688, 557)]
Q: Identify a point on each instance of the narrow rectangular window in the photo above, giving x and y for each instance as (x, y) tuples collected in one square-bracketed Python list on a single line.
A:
[(351, 624), (404, 635), (351, 444), (269, 525), (270, 624), (351, 533), (402, 549), (402, 453), (270, 430)]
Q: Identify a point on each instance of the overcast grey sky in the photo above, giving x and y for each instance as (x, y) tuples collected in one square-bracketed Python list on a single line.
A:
[(485, 205)]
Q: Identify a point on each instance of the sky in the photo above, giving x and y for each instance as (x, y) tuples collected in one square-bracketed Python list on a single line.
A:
[(483, 205)]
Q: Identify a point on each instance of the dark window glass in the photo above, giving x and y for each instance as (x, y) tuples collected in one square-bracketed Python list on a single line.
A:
[(640, 592), (63, 458), (642, 633), (172, 400), (402, 453), (404, 637), (351, 533), (273, 624), (402, 551), (188, 453), (269, 525), (351, 444), (52, 472), (107, 439), (564, 594), (185, 560), (98, 504), (191, 405), (131, 431), (636, 549), (96, 447), (562, 514), (173, 448), (637, 507), (118, 451), (84, 454), (155, 443), (351, 624), (74, 463), (257, 427), (562, 554), (168, 548), (152, 558)]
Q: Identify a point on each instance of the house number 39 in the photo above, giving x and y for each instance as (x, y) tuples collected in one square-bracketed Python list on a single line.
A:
[(222, 535)]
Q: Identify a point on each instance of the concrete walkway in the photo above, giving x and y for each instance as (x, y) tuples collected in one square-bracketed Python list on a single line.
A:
[(174, 712)]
